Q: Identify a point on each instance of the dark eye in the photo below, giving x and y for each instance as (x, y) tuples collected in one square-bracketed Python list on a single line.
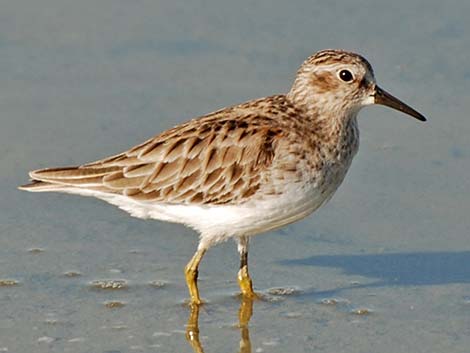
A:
[(346, 75)]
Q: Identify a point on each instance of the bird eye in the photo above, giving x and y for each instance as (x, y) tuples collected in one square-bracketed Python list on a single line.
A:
[(345, 75)]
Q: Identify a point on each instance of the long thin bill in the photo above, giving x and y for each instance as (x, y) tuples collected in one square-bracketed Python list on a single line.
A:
[(384, 98)]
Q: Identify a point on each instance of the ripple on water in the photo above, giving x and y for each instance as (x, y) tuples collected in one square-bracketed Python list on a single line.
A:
[(36, 250), (161, 334), (291, 314), (157, 284), (361, 311), (271, 343), (72, 274), (114, 304), (46, 339), (8, 282), (109, 284), (52, 321), (334, 301), (284, 291), (119, 327)]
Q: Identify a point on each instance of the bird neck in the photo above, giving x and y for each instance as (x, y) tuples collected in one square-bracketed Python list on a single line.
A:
[(332, 123), (340, 137)]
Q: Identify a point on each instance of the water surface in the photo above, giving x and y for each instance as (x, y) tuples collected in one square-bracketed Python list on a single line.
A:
[(382, 268)]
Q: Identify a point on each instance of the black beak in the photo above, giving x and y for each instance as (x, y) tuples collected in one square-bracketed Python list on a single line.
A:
[(384, 98)]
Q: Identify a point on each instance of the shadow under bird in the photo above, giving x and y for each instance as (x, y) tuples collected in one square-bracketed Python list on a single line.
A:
[(241, 170)]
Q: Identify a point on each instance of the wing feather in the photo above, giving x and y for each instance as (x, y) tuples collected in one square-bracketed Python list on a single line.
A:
[(212, 160)]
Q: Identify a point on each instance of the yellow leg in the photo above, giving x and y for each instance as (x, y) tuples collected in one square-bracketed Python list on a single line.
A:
[(191, 271), (244, 280)]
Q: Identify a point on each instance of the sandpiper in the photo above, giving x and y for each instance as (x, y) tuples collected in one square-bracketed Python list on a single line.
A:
[(242, 170)]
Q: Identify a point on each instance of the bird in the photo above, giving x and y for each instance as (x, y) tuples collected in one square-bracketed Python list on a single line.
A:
[(242, 170)]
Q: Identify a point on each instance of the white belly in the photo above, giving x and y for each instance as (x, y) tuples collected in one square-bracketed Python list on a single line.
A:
[(217, 223)]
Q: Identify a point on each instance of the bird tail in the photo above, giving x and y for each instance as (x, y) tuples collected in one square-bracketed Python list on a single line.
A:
[(63, 179)]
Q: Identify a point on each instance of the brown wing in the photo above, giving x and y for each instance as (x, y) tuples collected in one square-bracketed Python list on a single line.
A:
[(217, 159)]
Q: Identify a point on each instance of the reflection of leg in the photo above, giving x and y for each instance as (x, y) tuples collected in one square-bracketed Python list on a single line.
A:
[(191, 271), (245, 343), (192, 329), (244, 279), (244, 315), (245, 311)]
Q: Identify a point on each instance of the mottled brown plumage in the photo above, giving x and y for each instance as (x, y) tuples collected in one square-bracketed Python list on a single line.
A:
[(244, 169), (219, 158)]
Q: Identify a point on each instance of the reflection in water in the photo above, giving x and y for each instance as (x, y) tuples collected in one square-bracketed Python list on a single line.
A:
[(244, 315)]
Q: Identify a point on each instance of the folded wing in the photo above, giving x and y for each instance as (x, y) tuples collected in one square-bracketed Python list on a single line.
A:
[(213, 160)]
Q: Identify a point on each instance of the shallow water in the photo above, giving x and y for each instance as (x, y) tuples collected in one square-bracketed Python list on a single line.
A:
[(382, 268)]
